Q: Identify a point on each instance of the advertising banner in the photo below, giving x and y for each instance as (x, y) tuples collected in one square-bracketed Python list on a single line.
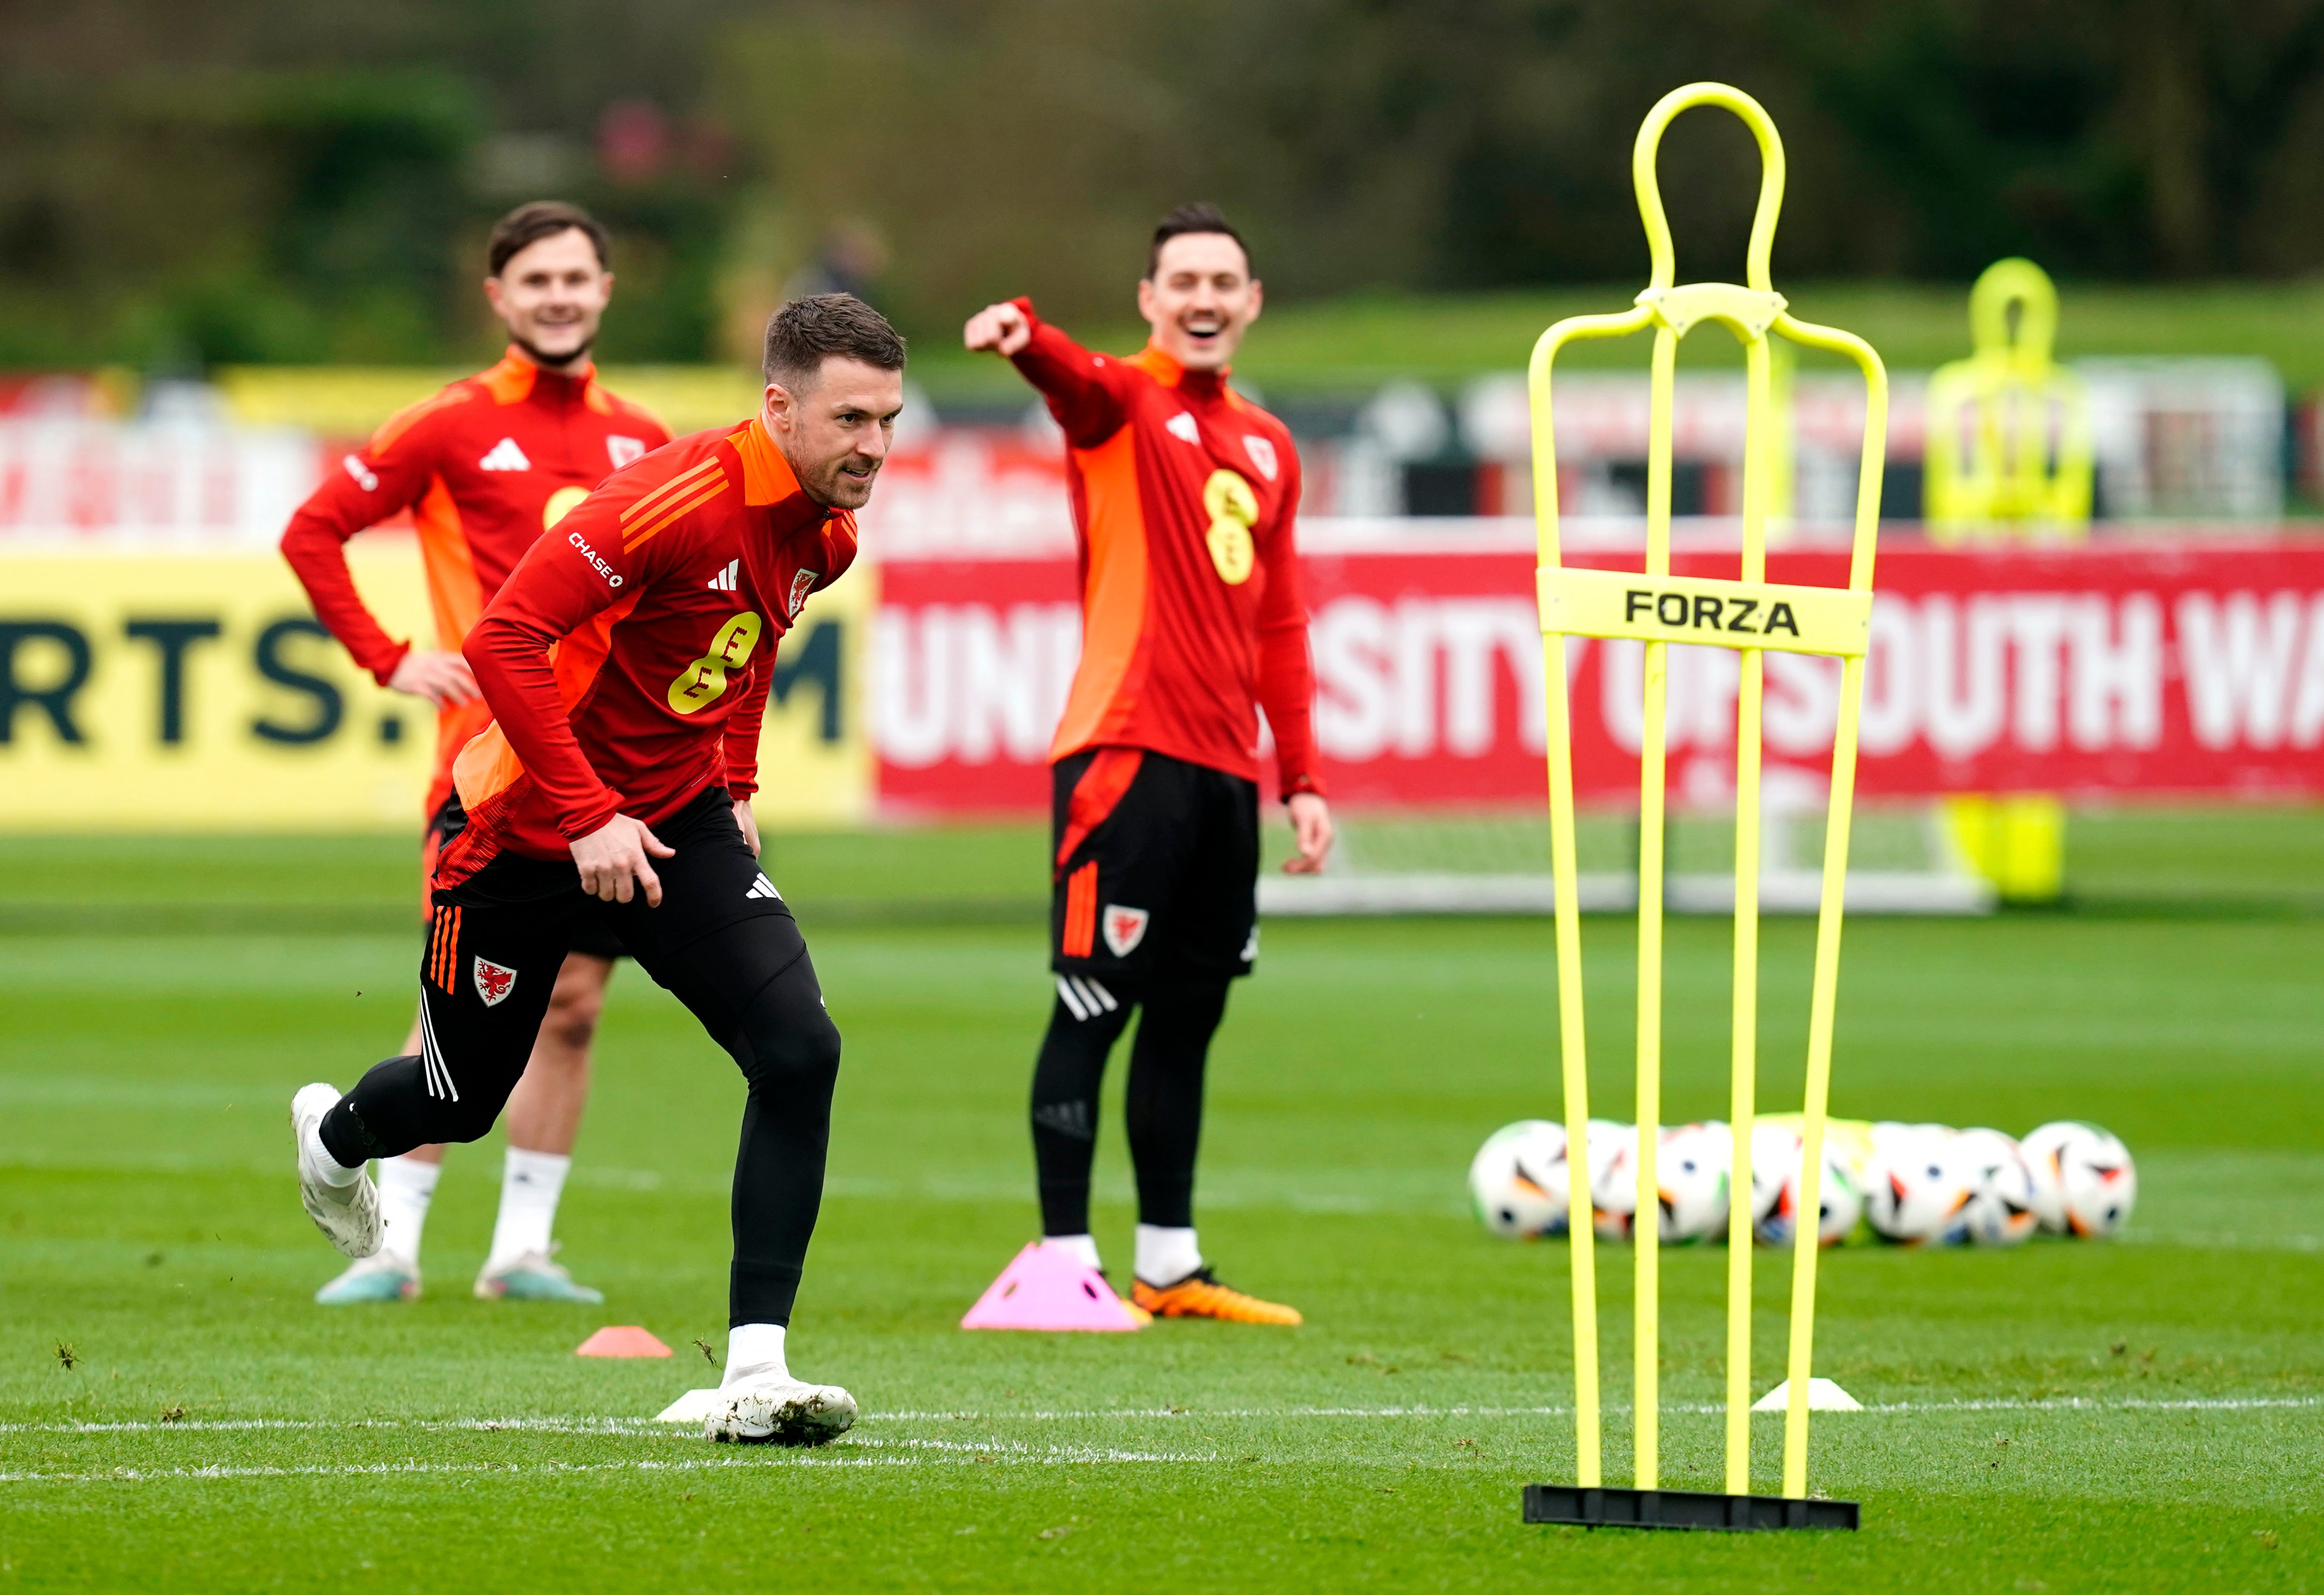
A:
[(169, 692), (166, 691), (2090, 672), (196, 693)]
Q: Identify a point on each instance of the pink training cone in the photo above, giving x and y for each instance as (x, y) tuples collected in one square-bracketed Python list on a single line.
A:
[(621, 1339), (1043, 1287)]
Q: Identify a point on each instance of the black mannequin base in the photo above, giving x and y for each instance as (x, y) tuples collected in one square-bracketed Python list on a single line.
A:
[(1611, 1508)]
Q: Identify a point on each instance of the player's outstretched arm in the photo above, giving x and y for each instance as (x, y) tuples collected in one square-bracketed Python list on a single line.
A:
[(1084, 390), (1001, 329)]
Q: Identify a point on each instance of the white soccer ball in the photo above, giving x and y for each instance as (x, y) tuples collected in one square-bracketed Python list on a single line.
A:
[(2084, 1181), (1518, 1181), (1776, 1166), (1917, 1188), (1613, 1158), (2000, 1211), (1692, 1163)]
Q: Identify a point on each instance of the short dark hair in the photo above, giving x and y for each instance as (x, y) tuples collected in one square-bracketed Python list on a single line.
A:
[(527, 225), (1201, 216), (806, 332)]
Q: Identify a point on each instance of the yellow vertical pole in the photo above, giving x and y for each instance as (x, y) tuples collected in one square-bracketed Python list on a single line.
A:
[(1806, 1231), (1743, 1079), (1824, 992), (1573, 1059), (1572, 1048), (1646, 1232)]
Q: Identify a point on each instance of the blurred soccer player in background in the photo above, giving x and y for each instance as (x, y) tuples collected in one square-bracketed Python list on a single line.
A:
[(1184, 495), (486, 466), (626, 663)]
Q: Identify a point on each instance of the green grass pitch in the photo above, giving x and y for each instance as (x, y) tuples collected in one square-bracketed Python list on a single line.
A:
[(2147, 1414)]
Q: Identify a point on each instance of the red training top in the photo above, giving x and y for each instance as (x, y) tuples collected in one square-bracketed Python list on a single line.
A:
[(627, 659), (486, 466), (1184, 495)]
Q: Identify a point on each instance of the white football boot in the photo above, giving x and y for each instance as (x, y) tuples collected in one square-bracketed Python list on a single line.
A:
[(347, 1215), (769, 1407)]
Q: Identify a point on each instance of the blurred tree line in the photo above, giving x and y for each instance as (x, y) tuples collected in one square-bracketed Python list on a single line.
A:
[(312, 179)]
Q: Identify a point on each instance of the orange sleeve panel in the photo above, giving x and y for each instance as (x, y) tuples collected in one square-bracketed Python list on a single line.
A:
[(1113, 595), (455, 596)]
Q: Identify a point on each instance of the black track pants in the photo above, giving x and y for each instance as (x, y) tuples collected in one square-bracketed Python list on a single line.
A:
[(722, 942), (1165, 1106)]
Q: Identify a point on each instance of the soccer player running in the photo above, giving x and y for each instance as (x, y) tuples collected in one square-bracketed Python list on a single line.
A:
[(1184, 496), (486, 465), (626, 663)]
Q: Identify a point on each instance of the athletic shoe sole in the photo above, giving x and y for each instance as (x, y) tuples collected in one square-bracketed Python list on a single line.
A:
[(352, 1225), (783, 1414)]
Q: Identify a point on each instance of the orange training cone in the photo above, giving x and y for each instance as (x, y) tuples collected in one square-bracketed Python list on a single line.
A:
[(621, 1340), (1043, 1287)]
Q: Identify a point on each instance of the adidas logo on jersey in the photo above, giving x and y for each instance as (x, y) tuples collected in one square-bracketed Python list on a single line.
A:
[(1182, 427), (505, 455), (723, 582), (764, 887)]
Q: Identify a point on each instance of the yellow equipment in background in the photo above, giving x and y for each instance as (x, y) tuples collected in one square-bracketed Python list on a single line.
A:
[(2008, 459), (1749, 615), (2008, 429)]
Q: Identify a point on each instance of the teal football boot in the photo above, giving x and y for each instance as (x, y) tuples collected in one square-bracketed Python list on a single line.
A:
[(381, 1277), (533, 1277)]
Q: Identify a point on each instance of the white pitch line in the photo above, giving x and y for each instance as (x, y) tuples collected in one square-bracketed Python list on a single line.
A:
[(1054, 1456), (2222, 1240), (605, 1425), (626, 1427), (2043, 1403)]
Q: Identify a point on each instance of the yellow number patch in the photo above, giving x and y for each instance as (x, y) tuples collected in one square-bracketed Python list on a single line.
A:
[(703, 682), (560, 504), (1233, 510)]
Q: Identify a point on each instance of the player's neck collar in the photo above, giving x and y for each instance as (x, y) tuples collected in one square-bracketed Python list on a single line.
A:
[(1163, 367), (767, 477), (517, 374)]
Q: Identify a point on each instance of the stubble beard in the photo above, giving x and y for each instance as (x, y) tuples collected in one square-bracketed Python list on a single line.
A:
[(542, 357)]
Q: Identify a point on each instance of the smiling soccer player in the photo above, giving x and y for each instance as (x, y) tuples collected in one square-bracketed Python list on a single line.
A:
[(487, 466), (627, 662), (1184, 496)]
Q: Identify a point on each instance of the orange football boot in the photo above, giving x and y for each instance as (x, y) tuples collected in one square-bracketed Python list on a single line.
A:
[(1201, 1295), (1137, 1315)]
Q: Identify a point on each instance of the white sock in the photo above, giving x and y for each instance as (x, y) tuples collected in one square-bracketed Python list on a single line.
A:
[(1082, 1248), (755, 1349), (322, 1164), (406, 1186), (530, 1184), (1165, 1255)]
